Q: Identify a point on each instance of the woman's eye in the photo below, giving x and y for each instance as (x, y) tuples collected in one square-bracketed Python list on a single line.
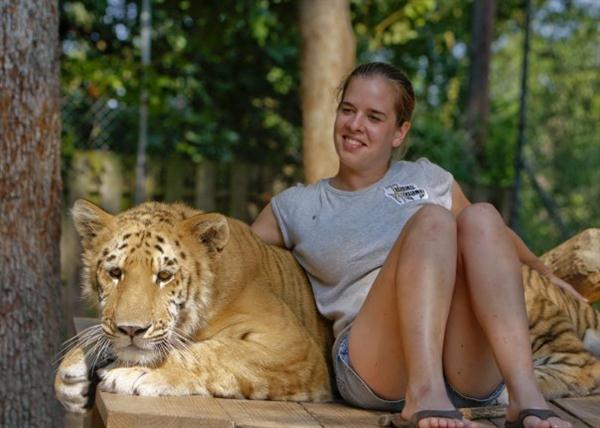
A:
[(115, 273), (164, 275)]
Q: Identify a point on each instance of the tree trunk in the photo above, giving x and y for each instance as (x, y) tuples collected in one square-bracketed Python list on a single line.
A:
[(30, 203), (478, 94), (327, 56), (140, 166)]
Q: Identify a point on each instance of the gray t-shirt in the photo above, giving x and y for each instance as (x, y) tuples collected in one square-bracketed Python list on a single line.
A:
[(342, 238)]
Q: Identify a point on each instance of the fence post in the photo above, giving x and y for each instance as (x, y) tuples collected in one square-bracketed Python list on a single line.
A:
[(174, 179), (239, 191), (205, 189)]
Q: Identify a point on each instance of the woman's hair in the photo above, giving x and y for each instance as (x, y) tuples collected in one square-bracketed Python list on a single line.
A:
[(405, 97)]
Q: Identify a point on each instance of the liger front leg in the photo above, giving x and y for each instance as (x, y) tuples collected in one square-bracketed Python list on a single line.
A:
[(230, 368)]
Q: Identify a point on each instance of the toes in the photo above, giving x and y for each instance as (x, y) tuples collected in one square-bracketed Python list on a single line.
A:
[(559, 423), (71, 401), (534, 422), (443, 423)]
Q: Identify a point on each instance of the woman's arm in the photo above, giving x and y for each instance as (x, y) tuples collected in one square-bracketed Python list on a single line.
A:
[(526, 256), (267, 228), (460, 201)]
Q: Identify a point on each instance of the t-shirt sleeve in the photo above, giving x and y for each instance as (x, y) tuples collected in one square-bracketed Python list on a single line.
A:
[(284, 207), (440, 183)]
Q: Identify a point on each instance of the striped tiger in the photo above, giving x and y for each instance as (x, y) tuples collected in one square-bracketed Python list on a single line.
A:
[(565, 339)]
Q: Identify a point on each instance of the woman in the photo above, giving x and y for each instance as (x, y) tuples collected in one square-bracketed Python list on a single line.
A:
[(424, 288)]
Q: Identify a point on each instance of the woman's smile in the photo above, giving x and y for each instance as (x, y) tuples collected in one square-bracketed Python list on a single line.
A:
[(352, 144)]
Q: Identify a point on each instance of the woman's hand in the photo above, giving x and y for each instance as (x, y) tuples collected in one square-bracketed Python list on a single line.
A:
[(564, 285), (531, 260)]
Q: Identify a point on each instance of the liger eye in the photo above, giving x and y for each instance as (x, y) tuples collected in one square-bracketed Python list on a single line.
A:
[(115, 273), (164, 275)]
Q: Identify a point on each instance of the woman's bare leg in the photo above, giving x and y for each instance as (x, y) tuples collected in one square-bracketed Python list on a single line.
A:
[(397, 339), (491, 272), (414, 304)]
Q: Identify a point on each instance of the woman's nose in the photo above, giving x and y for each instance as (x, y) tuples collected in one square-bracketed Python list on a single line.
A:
[(355, 123)]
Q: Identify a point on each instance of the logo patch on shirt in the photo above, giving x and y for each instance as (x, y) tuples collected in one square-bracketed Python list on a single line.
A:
[(403, 193)]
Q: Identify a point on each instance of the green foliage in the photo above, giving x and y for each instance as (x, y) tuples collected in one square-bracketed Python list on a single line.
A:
[(430, 41), (221, 83), (224, 85), (563, 107)]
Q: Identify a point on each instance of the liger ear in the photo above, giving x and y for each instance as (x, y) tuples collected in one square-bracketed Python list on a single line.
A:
[(210, 229), (90, 220)]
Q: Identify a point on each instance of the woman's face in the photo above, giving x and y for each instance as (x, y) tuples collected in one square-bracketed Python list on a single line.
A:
[(365, 129)]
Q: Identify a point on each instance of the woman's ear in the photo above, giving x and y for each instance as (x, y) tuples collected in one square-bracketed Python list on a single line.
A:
[(401, 133)]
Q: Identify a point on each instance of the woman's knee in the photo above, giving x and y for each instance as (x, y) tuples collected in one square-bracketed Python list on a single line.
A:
[(478, 221), (433, 219), (431, 232)]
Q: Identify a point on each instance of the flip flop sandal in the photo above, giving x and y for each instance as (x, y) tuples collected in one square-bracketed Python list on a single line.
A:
[(413, 422), (543, 414)]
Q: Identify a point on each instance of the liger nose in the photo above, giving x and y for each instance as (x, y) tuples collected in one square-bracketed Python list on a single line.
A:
[(132, 330)]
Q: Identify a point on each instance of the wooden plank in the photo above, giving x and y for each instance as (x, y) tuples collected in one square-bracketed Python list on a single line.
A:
[(575, 421), (386, 420), (586, 409), (164, 412), (275, 414), (127, 411), (486, 416), (90, 419), (338, 415), (483, 412), (487, 423), (497, 422)]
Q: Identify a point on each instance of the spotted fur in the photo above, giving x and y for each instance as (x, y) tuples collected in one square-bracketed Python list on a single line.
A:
[(195, 303)]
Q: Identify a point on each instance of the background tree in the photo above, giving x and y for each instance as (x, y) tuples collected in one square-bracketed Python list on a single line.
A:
[(30, 208), (327, 55), (563, 104), (478, 90)]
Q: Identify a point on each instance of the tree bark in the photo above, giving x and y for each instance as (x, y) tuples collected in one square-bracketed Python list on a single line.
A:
[(327, 56), (140, 166), (478, 98), (478, 94), (30, 205)]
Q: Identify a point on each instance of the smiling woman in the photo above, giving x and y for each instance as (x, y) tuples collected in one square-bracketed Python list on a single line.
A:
[(413, 276), (365, 130)]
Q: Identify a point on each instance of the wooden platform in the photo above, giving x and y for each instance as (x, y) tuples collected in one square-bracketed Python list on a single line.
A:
[(120, 411), (125, 411)]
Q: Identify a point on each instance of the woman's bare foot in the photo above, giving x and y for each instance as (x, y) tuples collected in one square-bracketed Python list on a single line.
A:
[(427, 399), (532, 400)]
